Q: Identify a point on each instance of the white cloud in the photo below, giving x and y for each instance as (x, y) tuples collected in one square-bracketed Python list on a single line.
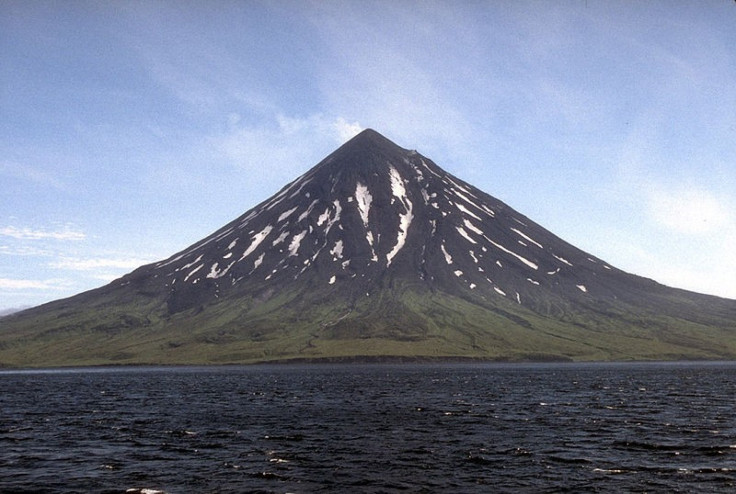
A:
[(21, 284), (11, 310), (286, 146), (719, 282), (701, 266), (688, 211), (25, 250), (67, 233), (347, 130), (90, 264), (675, 216)]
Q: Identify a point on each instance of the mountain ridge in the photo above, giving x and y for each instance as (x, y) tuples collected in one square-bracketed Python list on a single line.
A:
[(375, 251)]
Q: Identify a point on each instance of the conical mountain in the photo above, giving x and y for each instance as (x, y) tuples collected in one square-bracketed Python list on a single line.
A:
[(376, 252)]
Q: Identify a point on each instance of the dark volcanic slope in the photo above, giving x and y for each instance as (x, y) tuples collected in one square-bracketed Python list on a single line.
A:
[(378, 251)]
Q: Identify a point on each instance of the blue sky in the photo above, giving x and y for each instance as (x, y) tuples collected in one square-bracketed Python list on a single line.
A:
[(129, 130)]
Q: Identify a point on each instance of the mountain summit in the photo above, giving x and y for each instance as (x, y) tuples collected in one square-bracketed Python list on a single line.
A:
[(375, 252)]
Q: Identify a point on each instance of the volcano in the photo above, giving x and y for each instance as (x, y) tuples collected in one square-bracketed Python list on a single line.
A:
[(374, 253)]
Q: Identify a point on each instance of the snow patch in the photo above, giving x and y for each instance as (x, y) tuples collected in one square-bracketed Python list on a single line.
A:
[(470, 226), (426, 167), (464, 197), (193, 271), (189, 265), (527, 238), (258, 261), (295, 242), (397, 184), (498, 290), (364, 199), (336, 251), (463, 188), (256, 241), (532, 281), (582, 288), (458, 273), (223, 234), (425, 196), (522, 259), (213, 271), (323, 217), (309, 210), (286, 214), (332, 280), (404, 222), (462, 232), (301, 186), (336, 218), (467, 211), (280, 239), (405, 219), (219, 273), (562, 260), (448, 257), (247, 219), (488, 211)]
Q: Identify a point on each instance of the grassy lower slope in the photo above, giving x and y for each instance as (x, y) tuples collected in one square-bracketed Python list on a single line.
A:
[(402, 321)]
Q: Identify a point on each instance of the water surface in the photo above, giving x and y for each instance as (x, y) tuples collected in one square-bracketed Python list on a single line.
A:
[(371, 428)]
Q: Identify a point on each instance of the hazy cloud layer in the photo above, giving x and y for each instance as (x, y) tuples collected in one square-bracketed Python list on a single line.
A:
[(31, 234)]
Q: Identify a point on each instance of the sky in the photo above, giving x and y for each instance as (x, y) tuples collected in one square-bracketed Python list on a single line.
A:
[(131, 129)]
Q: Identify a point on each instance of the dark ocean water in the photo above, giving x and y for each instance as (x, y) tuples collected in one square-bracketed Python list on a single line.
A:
[(371, 428)]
